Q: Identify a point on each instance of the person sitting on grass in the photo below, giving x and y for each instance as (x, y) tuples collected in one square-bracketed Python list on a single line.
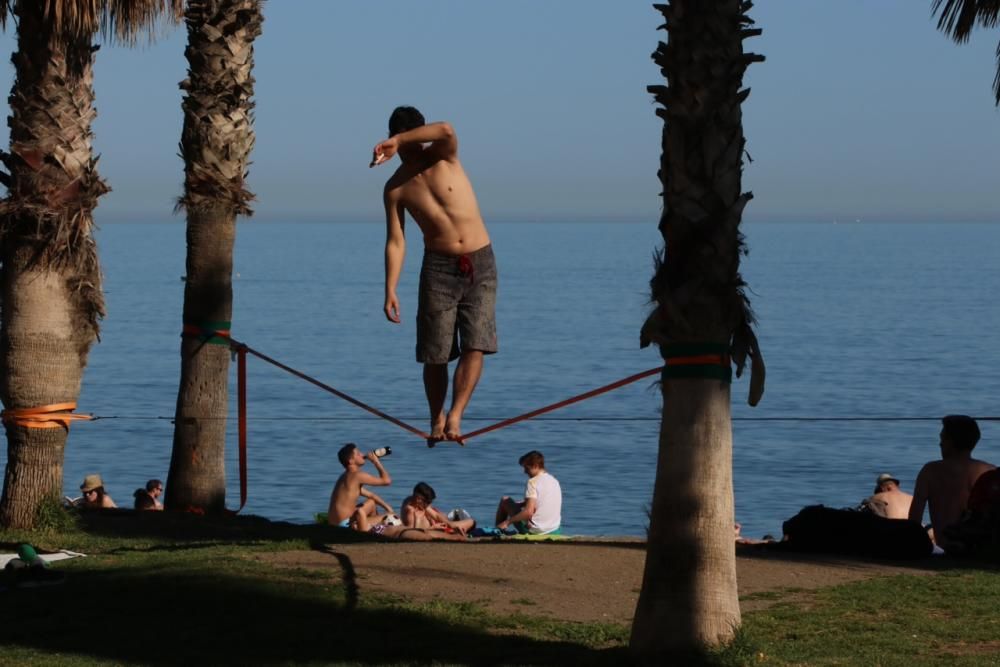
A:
[(540, 513), (945, 485), (344, 506), (94, 495), (417, 512), (147, 498)]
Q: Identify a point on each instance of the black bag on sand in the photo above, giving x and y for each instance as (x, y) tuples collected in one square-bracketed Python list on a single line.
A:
[(826, 530)]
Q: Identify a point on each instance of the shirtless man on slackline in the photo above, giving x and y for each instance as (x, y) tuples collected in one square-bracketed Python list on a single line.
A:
[(458, 279)]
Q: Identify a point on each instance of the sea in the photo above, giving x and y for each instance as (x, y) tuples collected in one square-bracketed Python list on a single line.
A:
[(870, 332)]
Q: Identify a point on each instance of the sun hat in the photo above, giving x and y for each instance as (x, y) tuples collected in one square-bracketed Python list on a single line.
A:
[(886, 477), (91, 482)]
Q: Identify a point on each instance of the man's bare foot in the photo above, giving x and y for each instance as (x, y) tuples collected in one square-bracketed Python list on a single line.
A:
[(453, 429)]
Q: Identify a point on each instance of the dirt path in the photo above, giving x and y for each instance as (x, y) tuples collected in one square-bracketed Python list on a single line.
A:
[(592, 581)]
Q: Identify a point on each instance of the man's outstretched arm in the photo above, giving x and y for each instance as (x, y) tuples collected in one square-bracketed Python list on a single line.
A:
[(395, 251)]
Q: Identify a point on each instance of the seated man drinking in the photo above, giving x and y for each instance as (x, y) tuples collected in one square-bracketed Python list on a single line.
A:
[(344, 508)]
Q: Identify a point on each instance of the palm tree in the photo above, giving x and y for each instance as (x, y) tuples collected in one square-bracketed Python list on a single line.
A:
[(959, 17), (702, 319), (50, 278), (215, 144)]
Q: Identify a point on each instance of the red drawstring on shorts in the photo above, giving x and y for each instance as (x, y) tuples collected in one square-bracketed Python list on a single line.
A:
[(465, 267)]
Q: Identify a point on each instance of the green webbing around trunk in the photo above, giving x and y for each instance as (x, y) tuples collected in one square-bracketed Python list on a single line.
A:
[(206, 332), (697, 360)]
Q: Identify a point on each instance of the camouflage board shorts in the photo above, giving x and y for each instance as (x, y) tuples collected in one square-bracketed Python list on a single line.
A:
[(457, 305)]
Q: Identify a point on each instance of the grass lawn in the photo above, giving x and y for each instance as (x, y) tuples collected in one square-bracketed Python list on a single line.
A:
[(167, 589)]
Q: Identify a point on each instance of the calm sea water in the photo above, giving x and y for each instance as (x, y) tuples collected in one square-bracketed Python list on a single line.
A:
[(855, 321)]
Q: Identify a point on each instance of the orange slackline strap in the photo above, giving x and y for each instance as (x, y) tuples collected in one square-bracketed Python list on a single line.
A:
[(54, 415), (339, 394), (242, 349), (561, 404), (699, 360), (241, 393)]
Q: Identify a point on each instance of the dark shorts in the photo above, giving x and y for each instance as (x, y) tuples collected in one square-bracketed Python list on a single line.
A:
[(457, 305)]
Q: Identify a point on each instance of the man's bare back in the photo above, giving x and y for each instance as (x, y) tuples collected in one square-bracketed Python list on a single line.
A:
[(945, 486), (897, 503)]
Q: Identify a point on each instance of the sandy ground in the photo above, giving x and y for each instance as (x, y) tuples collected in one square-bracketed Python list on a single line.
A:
[(574, 581)]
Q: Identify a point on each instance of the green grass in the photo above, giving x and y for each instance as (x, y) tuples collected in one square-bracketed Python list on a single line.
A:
[(163, 589), (168, 589), (948, 619)]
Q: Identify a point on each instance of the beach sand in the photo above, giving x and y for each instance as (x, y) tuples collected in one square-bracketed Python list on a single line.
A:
[(587, 581)]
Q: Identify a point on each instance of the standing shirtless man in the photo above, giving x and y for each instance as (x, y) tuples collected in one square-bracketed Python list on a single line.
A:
[(458, 278)]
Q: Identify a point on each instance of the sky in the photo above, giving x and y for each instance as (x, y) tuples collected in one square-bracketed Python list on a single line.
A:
[(862, 110)]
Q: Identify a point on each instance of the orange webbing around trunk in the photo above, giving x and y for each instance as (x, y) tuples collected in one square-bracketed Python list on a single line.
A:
[(54, 415)]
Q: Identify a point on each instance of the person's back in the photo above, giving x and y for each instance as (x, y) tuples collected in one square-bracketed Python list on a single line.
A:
[(944, 486), (895, 503), (548, 514)]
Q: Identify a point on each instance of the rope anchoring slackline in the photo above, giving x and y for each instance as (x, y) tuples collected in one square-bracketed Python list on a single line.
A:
[(54, 415), (683, 360)]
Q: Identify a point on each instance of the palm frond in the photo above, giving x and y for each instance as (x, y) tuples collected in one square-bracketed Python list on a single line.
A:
[(126, 20), (121, 20), (959, 17)]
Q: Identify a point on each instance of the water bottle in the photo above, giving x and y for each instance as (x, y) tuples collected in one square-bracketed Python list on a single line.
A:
[(383, 451)]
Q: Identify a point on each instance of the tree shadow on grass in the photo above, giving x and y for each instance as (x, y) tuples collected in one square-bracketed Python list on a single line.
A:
[(184, 527), (218, 617)]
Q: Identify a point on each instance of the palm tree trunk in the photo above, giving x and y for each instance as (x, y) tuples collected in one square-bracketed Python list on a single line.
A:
[(50, 279), (216, 143), (689, 597)]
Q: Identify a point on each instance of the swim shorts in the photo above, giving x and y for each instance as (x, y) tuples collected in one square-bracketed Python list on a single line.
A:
[(346, 523), (457, 305)]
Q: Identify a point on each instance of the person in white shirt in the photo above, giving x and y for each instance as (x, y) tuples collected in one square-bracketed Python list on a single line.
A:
[(540, 513)]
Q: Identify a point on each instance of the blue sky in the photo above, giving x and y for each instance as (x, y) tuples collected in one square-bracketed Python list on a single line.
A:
[(863, 110)]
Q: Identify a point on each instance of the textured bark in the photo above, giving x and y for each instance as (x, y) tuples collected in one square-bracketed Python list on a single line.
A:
[(50, 275), (216, 143), (689, 597)]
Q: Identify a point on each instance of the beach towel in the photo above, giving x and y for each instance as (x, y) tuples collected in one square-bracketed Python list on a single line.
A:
[(48, 558), (511, 533)]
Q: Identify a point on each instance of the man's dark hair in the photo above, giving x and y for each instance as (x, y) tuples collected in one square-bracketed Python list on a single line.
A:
[(403, 119), (533, 459), (424, 489), (346, 453), (143, 501), (962, 430), (153, 484)]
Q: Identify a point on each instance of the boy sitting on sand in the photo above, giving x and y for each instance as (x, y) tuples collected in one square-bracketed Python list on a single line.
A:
[(344, 510)]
